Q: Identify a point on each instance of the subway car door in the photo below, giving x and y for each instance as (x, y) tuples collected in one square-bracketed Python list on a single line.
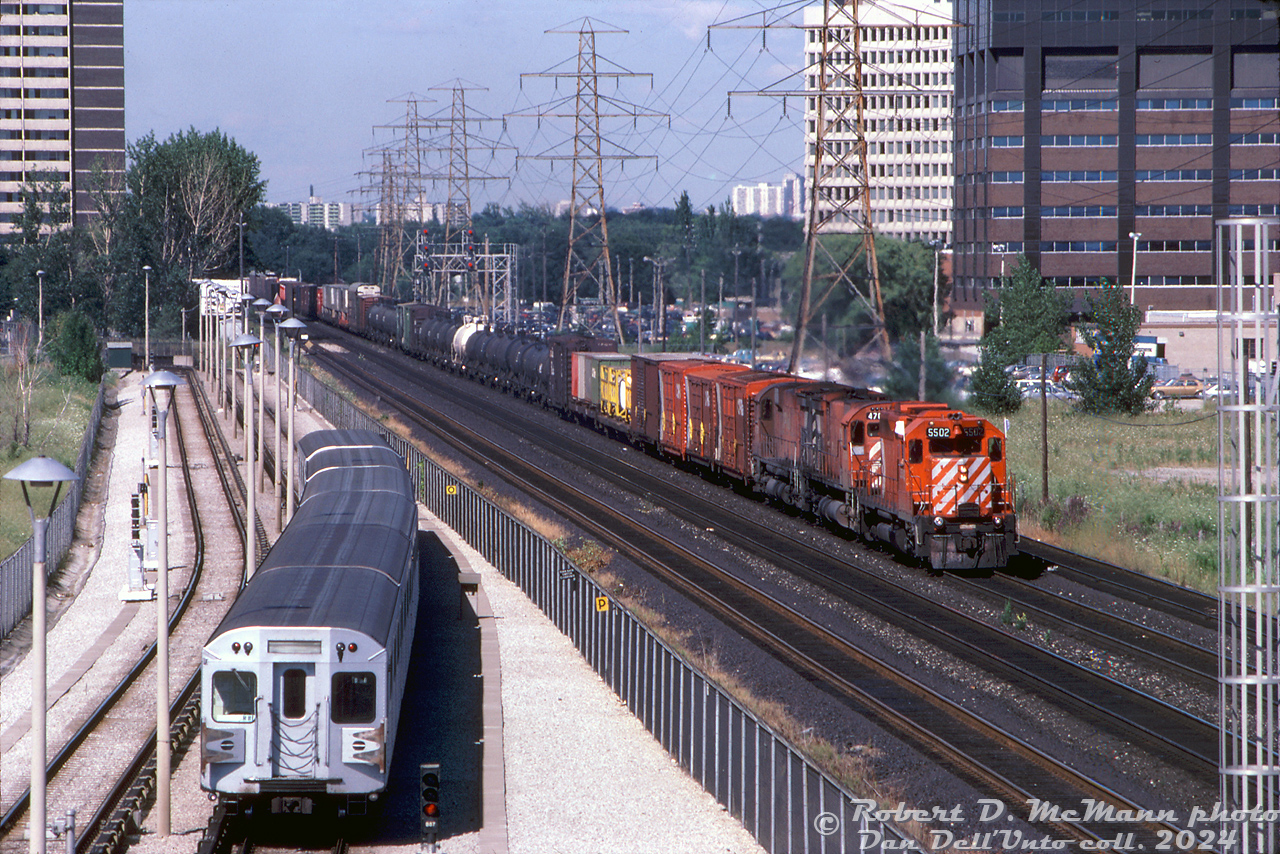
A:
[(295, 720)]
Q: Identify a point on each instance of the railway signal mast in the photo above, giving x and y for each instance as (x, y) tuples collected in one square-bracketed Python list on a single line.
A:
[(839, 193), (446, 252), (588, 260)]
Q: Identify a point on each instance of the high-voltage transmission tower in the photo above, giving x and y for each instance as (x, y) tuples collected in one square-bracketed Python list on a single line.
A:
[(838, 188), (588, 259), (448, 256), (398, 182)]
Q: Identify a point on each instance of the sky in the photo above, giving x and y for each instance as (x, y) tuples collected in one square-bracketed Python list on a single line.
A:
[(310, 86)]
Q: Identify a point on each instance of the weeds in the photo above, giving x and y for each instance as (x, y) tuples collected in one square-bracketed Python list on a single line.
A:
[(1104, 500)]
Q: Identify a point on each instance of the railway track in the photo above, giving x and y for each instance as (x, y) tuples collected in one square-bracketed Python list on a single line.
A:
[(1180, 602), (78, 773), (1004, 765), (1099, 698)]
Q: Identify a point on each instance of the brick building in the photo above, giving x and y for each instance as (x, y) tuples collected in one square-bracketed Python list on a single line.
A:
[(1103, 138)]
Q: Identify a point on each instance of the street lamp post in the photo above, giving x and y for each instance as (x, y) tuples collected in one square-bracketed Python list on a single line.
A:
[(260, 306), (293, 328), (734, 322), (39, 472), (162, 384), (247, 343), (1135, 236), (277, 313), (146, 318), (40, 298)]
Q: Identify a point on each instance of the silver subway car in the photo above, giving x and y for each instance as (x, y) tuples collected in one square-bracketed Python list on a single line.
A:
[(303, 680)]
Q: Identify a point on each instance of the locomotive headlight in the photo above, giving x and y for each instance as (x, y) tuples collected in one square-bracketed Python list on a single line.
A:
[(938, 522), (998, 521), (964, 474)]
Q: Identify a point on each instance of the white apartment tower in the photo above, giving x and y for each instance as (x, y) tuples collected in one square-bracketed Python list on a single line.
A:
[(61, 99), (763, 199), (907, 86)]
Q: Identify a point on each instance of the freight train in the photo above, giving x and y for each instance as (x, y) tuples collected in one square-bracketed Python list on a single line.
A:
[(927, 479), (303, 679)]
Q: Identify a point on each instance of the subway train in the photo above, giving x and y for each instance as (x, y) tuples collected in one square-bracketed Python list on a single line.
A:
[(927, 479), (302, 681)]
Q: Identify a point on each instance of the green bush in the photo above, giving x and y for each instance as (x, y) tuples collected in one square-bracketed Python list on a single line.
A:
[(75, 347)]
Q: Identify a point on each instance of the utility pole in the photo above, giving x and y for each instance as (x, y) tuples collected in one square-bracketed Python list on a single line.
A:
[(588, 225)]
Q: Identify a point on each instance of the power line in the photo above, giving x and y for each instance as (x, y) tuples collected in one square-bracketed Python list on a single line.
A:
[(588, 259)]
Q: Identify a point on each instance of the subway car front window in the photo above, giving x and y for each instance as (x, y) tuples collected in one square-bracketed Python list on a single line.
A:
[(355, 698), (234, 695)]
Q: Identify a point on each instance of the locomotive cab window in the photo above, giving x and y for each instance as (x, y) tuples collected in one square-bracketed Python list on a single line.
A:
[(956, 446), (859, 436), (766, 410), (995, 449), (234, 693), (354, 698), (915, 451)]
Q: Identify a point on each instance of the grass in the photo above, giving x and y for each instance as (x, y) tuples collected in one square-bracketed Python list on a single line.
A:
[(1103, 501), (61, 409)]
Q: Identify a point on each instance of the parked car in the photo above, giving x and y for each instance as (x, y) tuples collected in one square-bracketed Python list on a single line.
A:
[(1184, 387)]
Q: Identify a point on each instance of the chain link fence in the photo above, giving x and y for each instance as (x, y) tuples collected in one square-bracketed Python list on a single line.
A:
[(15, 570)]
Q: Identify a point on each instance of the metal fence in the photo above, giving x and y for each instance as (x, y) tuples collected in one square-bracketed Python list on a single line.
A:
[(783, 800), (15, 571)]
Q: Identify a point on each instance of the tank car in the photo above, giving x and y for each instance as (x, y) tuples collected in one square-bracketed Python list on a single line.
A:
[(302, 681)]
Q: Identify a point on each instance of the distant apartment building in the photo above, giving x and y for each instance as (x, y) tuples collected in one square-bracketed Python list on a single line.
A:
[(318, 213), (1103, 139), (763, 199), (907, 85), (61, 99)]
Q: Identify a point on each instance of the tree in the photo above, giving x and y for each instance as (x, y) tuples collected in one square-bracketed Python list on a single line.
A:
[(190, 192), (1028, 316), (903, 379), (1115, 380), (991, 386), (75, 348)]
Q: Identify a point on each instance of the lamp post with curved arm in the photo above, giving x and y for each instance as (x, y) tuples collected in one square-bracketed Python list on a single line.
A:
[(161, 385), (39, 472), (248, 343), (259, 307), (277, 314), (146, 318), (40, 297), (292, 328)]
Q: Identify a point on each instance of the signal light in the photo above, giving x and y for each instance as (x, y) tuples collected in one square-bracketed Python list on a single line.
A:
[(429, 800)]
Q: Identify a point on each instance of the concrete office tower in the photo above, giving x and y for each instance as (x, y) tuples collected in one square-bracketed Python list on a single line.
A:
[(1079, 125), (61, 98), (907, 84)]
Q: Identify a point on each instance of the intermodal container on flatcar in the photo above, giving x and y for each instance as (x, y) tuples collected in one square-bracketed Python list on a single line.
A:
[(602, 382)]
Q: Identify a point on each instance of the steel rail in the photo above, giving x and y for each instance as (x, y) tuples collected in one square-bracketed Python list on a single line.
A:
[(713, 587), (78, 738), (107, 827), (1189, 741)]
